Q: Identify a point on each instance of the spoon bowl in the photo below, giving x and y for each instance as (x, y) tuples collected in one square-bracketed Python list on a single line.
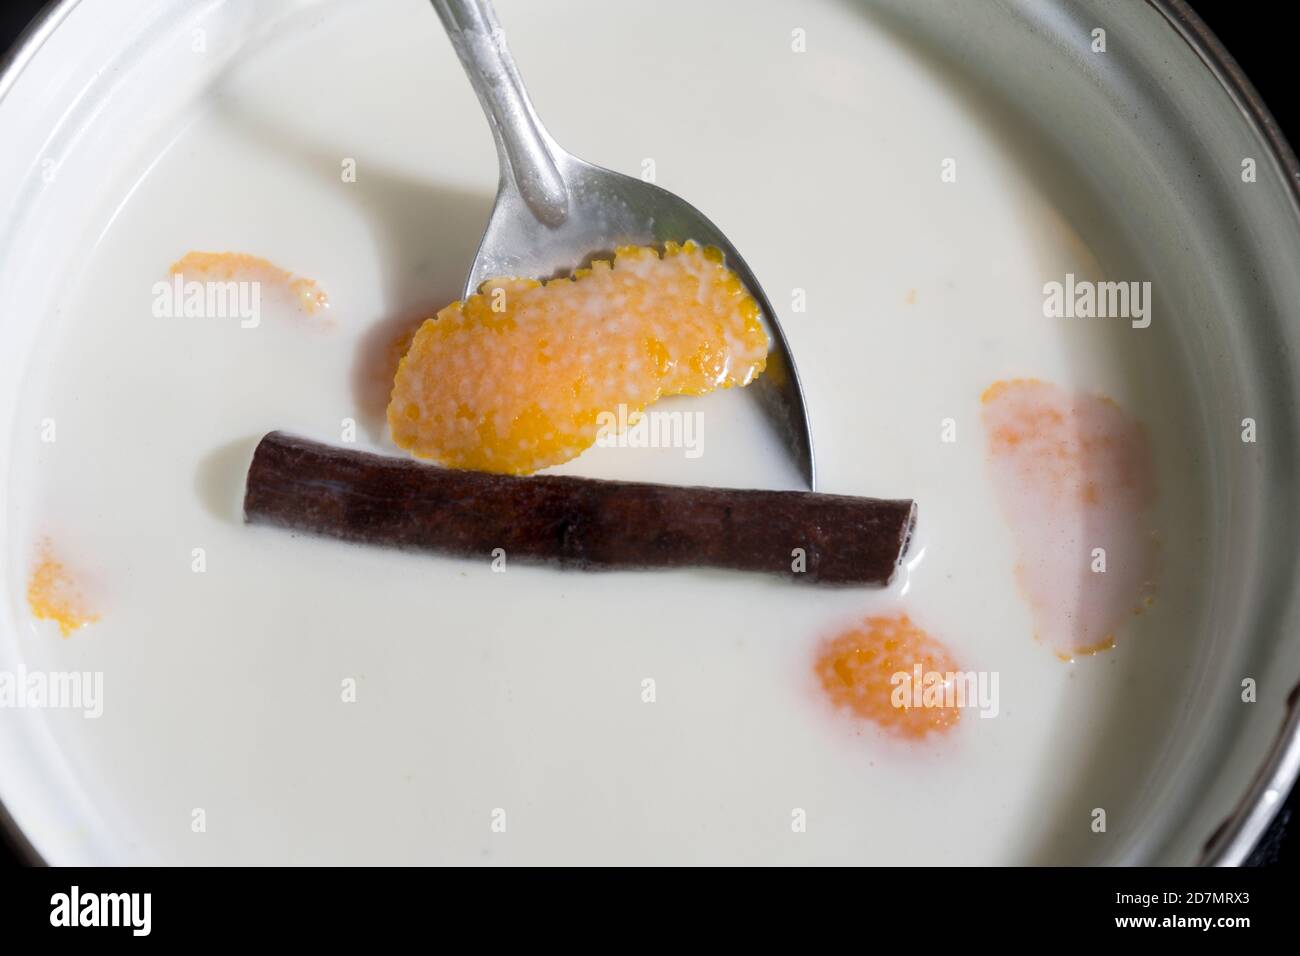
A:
[(555, 212)]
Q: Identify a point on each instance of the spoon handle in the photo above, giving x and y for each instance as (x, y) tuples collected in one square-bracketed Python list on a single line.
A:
[(524, 148)]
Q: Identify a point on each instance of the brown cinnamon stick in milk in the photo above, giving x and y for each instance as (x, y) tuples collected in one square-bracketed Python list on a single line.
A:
[(580, 523)]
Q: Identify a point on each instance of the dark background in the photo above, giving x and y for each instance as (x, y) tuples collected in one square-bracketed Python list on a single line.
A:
[(1248, 30)]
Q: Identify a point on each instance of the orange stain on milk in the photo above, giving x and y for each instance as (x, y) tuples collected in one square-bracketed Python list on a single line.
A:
[(53, 595), (239, 266), (858, 669), (1074, 478)]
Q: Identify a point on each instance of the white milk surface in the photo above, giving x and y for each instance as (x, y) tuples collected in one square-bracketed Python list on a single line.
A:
[(484, 697)]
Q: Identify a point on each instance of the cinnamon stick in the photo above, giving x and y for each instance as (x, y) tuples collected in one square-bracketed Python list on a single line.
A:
[(581, 523)]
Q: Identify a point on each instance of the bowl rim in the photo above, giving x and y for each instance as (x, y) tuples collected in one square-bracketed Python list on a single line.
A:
[(12, 64), (1234, 839)]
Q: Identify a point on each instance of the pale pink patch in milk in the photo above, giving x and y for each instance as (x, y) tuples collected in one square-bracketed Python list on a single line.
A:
[(1074, 478)]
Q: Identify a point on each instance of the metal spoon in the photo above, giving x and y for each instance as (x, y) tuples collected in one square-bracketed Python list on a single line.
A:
[(554, 212)]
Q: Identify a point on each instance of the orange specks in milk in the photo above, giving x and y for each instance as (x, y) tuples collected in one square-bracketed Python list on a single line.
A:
[(239, 266), (1074, 478), (870, 671), (53, 594), (515, 378)]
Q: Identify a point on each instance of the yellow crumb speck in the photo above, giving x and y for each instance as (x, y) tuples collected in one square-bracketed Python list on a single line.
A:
[(998, 388), (52, 594), (1105, 644)]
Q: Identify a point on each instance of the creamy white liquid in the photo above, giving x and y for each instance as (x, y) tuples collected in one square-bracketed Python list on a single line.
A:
[(522, 692)]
